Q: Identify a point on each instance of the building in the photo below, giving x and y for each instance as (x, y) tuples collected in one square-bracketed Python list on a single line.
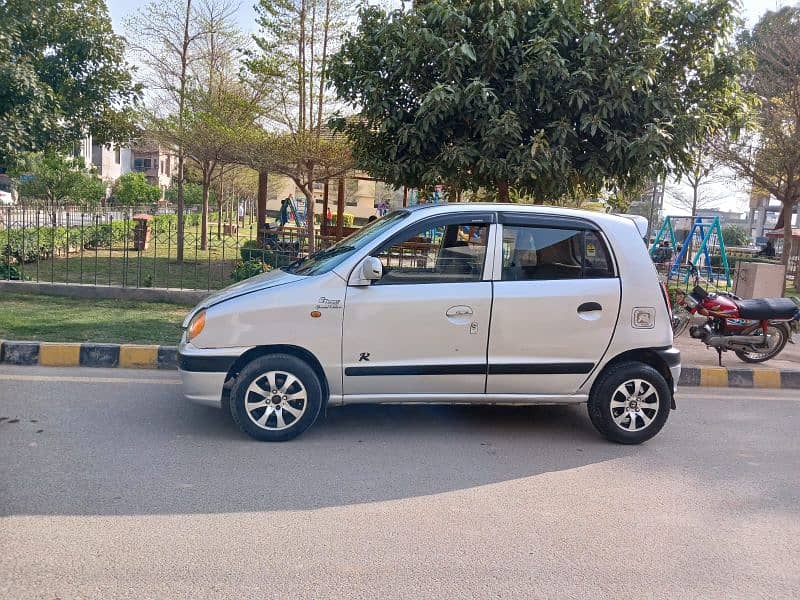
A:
[(156, 162), (726, 217)]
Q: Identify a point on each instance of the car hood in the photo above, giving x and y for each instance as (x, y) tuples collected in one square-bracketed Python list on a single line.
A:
[(274, 278)]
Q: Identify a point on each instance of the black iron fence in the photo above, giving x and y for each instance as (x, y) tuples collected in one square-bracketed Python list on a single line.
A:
[(138, 247)]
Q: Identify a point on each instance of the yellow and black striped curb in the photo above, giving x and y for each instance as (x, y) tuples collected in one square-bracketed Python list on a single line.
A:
[(128, 356), (166, 357), (740, 378)]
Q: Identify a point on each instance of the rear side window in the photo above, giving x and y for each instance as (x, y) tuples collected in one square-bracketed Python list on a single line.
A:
[(548, 253)]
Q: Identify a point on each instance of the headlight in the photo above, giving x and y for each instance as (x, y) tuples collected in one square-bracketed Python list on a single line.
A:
[(691, 301), (196, 325)]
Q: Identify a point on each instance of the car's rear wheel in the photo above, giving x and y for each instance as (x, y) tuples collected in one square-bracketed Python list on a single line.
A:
[(276, 398), (630, 403)]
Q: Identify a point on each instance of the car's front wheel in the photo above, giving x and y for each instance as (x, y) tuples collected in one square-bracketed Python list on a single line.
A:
[(630, 403), (276, 398)]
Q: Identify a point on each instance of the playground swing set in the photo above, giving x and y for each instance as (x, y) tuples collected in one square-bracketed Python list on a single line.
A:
[(706, 234)]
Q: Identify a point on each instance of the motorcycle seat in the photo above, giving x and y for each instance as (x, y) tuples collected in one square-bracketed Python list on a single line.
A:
[(760, 309)]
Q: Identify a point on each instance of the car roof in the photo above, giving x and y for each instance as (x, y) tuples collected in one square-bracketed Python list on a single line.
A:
[(594, 216)]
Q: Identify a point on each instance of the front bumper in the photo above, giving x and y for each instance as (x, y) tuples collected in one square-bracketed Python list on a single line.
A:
[(203, 371)]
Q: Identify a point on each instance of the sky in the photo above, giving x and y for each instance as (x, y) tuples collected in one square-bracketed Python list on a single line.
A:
[(731, 198)]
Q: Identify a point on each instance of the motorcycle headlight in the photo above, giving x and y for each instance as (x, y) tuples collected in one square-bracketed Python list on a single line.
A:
[(690, 301)]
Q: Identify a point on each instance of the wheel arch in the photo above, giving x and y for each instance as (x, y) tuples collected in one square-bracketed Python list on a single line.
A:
[(266, 350), (647, 356)]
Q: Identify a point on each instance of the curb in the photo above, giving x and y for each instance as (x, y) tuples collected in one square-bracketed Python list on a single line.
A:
[(127, 356), (739, 378), (134, 356)]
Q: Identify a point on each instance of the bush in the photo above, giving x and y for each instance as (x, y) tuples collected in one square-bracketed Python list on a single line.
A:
[(245, 269), (735, 235), (105, 235), (278, 254), (250, 250), (348, 219), (11, 272)]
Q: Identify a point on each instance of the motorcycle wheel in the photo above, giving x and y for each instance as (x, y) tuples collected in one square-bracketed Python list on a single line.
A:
[(779, 333), (680, 320)]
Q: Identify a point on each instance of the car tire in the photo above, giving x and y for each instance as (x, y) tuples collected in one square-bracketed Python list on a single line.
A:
[(276, 398), (629, 403)]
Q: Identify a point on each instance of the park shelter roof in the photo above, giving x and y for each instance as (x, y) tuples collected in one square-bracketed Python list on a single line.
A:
[(778, 234)]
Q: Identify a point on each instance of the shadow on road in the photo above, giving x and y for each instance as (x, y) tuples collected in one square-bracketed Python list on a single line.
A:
[(157, 454)]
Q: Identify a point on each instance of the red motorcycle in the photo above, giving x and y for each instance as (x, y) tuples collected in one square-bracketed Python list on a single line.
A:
[(756, 330)]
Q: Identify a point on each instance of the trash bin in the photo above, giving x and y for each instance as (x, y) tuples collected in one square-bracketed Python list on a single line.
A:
[(142, 232)]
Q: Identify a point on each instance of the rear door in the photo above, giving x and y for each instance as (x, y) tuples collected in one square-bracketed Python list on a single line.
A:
[(556, 303)]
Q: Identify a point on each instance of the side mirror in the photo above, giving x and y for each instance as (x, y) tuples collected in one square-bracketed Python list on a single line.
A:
[(368, 271)]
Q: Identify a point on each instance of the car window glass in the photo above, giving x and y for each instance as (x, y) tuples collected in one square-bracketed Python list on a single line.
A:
[(597, 260), (444, 253), (536, 253)]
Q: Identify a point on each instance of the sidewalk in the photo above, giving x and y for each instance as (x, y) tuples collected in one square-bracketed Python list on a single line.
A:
[(695, 353)]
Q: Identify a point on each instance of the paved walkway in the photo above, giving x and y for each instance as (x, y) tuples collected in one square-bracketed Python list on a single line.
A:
[(695, 353)]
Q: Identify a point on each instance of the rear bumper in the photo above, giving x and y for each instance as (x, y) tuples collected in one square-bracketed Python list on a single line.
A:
[(672, 357)]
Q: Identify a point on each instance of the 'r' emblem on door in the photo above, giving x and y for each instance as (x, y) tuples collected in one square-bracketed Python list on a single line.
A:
[(364, 357), (473, 328)]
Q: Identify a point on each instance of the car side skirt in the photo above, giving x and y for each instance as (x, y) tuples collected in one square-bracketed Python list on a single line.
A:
[(510, 399)]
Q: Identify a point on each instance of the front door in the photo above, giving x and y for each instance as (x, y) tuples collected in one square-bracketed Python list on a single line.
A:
[(422, 329), (556, 302)]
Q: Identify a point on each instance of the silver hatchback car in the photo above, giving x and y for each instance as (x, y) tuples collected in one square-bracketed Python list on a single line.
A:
[(459, 303)]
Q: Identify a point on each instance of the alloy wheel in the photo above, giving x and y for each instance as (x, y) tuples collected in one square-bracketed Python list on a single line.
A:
[(634, 405), (275, 400)]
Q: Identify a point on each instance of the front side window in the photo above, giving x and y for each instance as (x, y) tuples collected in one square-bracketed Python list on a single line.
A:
[(435, 253), (323, 261), (545, 253)]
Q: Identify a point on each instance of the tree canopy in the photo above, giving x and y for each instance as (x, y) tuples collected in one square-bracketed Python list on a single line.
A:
[(63, 75), (769, 154), (132, 188), (52, 179), (546, 97)]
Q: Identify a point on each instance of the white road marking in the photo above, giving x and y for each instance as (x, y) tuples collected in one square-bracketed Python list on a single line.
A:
[(65, 379)]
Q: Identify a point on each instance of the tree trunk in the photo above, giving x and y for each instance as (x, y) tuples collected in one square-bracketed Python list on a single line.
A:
[(323, 229), (308, 191), (788, 205), (261, 203), (502, 190), (219, 209), (204, 217), (694, 201), (181, 104), (340, 209)]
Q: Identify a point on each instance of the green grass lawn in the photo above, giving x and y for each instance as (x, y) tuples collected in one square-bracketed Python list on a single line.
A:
[(59, 319)]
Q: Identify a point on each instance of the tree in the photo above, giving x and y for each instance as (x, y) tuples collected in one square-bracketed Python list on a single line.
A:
[(164, 38), (52, 180), (63, 74), (702, 175), (192, 194), (295, 40), (735, 235), (132, 188), (769, 154), (546, 97)]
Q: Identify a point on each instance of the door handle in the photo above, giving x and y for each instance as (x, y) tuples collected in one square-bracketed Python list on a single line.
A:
[(459, 311), (589, 306)]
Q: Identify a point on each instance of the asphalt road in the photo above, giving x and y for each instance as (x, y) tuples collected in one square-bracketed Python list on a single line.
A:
[(112, 487)]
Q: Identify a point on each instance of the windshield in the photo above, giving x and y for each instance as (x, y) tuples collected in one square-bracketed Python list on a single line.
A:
[(324, 260)]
